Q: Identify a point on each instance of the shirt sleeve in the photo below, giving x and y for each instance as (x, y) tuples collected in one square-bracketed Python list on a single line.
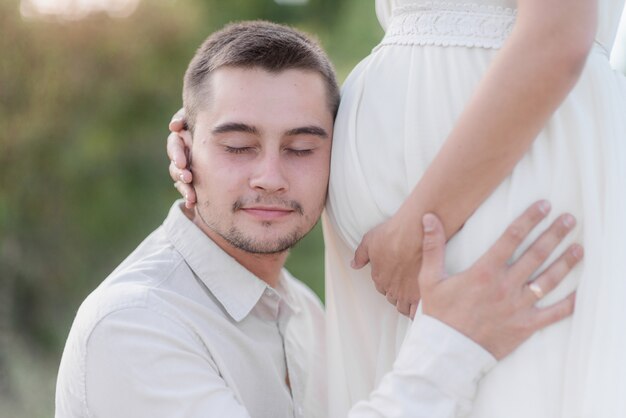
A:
[(142, 363), (435, 375)]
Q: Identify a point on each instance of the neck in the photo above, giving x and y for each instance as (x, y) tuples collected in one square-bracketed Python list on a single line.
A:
[(266, 267)]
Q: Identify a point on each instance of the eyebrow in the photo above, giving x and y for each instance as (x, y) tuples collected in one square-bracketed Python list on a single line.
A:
[(308, 130), (242, 127), (235, 127)]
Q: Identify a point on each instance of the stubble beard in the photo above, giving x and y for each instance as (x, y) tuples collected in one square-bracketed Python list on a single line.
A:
[(238, 239)]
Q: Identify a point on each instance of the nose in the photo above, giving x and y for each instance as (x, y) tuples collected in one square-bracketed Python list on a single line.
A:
[(269, 175)]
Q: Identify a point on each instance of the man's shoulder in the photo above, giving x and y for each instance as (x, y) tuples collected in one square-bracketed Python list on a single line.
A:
[(135, 283), (134, 308)]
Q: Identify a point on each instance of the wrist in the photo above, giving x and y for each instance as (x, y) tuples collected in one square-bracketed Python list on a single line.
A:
[(406, 230)]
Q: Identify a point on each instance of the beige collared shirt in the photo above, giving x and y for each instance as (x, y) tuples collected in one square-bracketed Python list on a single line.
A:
[(180, 329)]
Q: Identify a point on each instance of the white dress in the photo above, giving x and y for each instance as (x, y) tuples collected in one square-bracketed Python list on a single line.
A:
[(398, 106)]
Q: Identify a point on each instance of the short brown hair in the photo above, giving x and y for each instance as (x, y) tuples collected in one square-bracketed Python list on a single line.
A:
[(266, 45)]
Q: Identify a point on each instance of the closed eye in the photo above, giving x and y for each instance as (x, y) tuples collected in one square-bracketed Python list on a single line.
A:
[(299, 152), (238, 150)]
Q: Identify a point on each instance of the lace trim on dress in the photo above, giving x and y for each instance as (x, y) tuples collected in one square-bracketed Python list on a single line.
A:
[(450, 24)]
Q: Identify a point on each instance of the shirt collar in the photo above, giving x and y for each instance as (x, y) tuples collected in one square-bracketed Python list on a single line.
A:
[(279, 301), (235, 287)]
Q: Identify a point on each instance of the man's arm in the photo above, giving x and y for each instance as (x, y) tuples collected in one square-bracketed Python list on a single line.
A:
[(471, 319)]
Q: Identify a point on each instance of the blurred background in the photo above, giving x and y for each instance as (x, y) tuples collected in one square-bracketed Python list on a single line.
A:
[(87, 88)]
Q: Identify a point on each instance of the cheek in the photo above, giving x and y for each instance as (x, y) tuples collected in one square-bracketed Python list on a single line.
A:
[(217, 180), (311, 181)]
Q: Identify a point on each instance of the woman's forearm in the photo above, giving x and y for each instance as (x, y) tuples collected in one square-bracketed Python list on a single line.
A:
[(528, 79)]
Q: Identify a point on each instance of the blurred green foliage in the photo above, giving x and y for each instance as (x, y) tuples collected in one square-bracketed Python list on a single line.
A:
[(84, 107)]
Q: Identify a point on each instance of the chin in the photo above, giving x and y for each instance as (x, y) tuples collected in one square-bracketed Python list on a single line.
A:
[(264, 241)]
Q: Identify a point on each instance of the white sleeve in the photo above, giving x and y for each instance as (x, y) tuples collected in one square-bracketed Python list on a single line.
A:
[(383, 11), (435, 375), (141, 363)]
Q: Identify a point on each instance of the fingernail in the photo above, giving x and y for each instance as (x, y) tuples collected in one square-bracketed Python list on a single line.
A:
[(429, 222), (568, 221), (577, 251), (544, 207), (181, 177)]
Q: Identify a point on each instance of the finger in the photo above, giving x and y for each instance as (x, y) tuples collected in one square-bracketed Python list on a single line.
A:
[(391, 298), (541, 249), (361, 255), (553, 275), (174, 173), (433, 251), (178, 121), (413, 310), (185, 176), (177, 174), (379, 288), (189, 205), (554, 313), (403, 307), (516, 233), (186, 192), (176, 150), (190, 196)]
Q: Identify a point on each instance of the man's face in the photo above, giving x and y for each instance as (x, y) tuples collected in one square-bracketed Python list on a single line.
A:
[(261, 156)]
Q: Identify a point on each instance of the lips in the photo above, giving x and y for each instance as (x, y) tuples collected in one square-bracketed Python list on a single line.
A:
[(267, 212)]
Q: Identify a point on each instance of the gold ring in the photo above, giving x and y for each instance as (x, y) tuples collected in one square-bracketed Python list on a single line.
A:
[(536, 289)]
